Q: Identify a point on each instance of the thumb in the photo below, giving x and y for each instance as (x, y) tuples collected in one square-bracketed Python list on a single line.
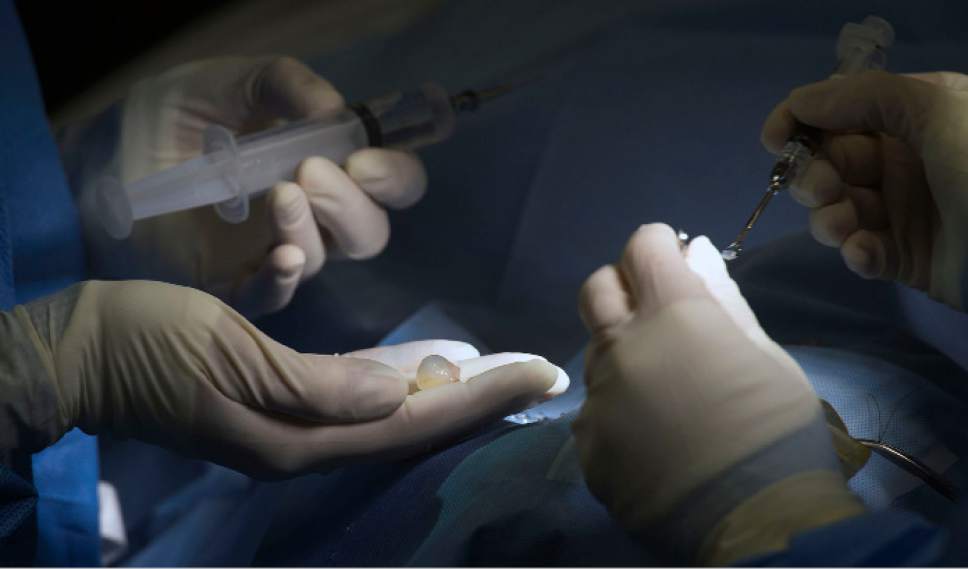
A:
[(286, 88), (342, 389), (258, 372), (874, 101)]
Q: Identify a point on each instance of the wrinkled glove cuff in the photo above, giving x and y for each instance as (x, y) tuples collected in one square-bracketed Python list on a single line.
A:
[(768, 521), (32, 415), (686, 531)]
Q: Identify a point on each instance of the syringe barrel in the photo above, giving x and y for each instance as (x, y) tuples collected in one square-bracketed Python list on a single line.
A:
[(270, 156), (194, 183), (403, 120), (234, 170)]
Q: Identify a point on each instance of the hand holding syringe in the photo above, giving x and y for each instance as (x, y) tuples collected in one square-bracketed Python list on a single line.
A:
[(860, 47), (232, 170)]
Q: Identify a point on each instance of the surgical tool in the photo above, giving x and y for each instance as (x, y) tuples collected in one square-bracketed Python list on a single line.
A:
[(233, 170), (913, 466), (860, 47)]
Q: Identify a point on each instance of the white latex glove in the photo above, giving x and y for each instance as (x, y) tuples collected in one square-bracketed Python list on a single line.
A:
[(176, 367), (256, 265), (692, 410), (890, 188)]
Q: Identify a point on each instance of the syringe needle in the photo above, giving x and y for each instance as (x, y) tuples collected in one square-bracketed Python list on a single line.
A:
[(470, 99), (795, 155), (736, 247)]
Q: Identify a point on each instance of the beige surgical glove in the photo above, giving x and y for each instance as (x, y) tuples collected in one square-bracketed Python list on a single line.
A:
[(700, 434), (329, 210), (176, 367), (890, 187)]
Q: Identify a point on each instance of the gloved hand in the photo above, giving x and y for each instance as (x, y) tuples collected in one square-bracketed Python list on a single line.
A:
[(890, 187), (699, 433), (256, 265), (176, 367)]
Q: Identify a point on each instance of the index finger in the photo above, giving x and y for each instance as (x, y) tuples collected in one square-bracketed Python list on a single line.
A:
[(473, 367), (428, 418), (873, 101), (778, 127), (393, 178)]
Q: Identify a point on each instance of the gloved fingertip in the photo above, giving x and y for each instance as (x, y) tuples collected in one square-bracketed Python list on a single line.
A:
[(560, 385), (702, 245), (537, 375), (288, 87), (368, 166), (325, 100), (377, 241), (544, 374), (860, 260), (777, 128), (288, 260), (288, 204), (316, 172), (392, 178), (703, 257)]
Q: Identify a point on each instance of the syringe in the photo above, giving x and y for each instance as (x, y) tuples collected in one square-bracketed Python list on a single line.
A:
[(860, 47), (232, 170)]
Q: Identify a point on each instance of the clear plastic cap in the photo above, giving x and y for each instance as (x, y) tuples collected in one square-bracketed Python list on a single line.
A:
[(874, 33)]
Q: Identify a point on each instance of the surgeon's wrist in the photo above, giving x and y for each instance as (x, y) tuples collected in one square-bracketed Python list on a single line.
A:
[(684, 533), (770, 519), (35, 408)]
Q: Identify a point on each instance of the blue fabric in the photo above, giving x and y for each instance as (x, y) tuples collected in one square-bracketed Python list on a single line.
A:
[(7, 296), (66, 476), (17, 495), (884, 402), (41, 252), (18, 500), (48, 252)]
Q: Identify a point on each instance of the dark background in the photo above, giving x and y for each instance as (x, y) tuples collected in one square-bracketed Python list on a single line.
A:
[(102, 35)]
